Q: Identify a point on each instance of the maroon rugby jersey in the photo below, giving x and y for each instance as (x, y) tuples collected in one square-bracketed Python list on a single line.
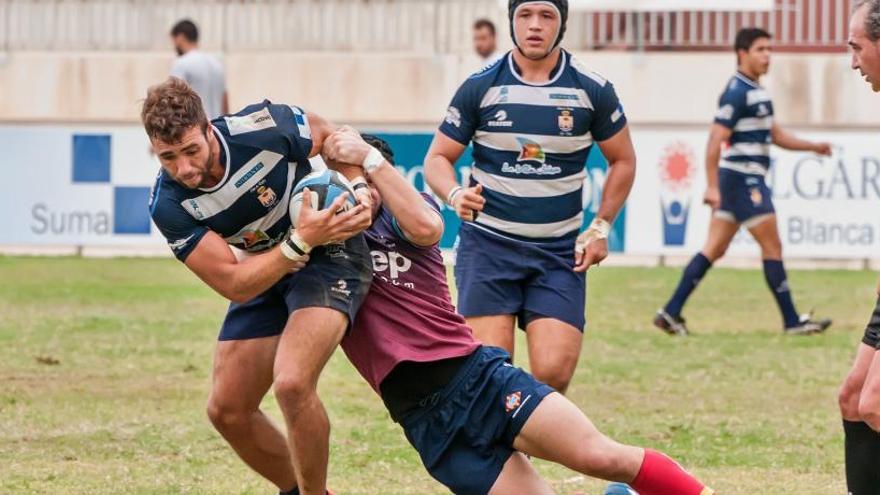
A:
[(408, 314)]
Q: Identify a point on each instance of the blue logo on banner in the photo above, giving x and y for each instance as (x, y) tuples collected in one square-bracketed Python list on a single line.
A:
[(677, 171), (92, 164)]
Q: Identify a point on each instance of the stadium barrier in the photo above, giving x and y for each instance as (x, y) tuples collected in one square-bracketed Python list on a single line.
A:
[(95, 184)]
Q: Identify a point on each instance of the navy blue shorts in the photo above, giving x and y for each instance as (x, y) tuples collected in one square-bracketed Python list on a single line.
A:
[(743, 197), (336, 277), (496, 275), (465, 434)]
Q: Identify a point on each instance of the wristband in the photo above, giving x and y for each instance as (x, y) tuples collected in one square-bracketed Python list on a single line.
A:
[(359, 183), (450, 198), (294, 248), (372, 161)]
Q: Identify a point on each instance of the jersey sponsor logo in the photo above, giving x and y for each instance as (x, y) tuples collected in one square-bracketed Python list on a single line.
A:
[(195, 210), (180, 243), (763, 111), (248, 175), (530, 152), (725, 112), (256, 121), (566, 121), (500, 120), (504, 94), (389, 266), (512, 401), (341, 287), (453, 116), (563, 96)]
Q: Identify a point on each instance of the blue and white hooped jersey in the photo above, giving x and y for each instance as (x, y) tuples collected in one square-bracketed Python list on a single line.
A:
[(531, 143), (746, 109), (265, 149)]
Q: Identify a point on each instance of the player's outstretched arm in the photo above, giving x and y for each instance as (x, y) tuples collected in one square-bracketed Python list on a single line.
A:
[(789, 141), (718, 135), (440, 174), (592, 245), (419, 222)]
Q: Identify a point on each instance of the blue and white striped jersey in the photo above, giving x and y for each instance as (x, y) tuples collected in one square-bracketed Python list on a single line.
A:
[(265, 150), (531, 143), (746, 109)]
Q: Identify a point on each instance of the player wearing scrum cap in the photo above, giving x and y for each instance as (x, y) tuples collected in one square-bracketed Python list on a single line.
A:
[(533, 117)]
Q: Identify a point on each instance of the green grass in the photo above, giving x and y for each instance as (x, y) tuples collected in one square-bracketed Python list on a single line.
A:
[(745, 408)]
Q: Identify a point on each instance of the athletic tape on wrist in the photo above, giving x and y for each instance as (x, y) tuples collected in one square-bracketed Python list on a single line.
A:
[(294, 248), (601, 228), (372, 161)]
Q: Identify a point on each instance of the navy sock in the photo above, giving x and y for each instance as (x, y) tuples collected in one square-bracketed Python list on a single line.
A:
[(774, 273), (294, 491), (691, 277), (862, 447)]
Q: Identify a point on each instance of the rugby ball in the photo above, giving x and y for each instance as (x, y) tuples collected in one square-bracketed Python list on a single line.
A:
[(619, 489), (324, 186)]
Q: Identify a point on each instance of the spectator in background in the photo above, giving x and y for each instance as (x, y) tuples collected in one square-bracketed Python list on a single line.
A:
[(203, 72), (484, 41)]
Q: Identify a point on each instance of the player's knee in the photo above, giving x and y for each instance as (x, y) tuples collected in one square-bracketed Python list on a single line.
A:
[(556, 377), (848, 400), (772, 250), (869, 409), (714, 253), (291, 389), (226, 417)]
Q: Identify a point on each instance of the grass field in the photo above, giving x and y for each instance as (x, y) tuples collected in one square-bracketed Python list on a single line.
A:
[(105, 369)]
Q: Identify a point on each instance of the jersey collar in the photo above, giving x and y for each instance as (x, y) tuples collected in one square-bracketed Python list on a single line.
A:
[(554, 74), (744, 78), (224, 158)]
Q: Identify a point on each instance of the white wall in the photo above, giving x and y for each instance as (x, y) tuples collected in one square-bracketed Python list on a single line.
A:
[(414, 89)]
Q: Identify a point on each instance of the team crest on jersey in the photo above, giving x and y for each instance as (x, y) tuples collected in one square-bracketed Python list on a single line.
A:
[(453, 116), (756, 196), (531, 151), (566, 121), (513, 401), (266, 195)]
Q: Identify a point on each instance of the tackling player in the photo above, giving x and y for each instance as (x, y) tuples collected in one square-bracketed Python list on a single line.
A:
[(226, 183), (744, 129), (533, 117), (860, 394), (467, 411)]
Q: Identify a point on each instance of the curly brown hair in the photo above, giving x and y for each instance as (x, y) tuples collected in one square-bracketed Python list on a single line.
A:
[(170, 109)]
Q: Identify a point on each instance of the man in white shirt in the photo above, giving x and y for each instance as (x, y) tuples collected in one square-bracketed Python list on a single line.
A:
[(203, 72), (485, 44)]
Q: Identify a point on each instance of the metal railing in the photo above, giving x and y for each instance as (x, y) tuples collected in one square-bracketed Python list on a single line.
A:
[(425, 26)]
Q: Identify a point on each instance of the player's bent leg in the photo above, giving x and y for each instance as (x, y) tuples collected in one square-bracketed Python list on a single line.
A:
[(519, 476), (495, 331), (242, 376), (869, 402), (581, 447), (722, 230), (308, 341), (554, 350)]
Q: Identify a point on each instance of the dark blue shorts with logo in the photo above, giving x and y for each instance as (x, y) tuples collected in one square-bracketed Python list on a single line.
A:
[(336, 277), (744, 197), (464, 434), (498, 275)]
